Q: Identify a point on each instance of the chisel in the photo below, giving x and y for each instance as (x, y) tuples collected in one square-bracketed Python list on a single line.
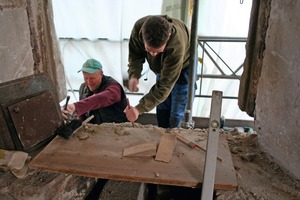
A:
[(128, 104), (67, 101)]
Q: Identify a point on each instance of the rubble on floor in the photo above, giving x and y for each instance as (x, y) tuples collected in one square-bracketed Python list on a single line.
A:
[(37, 185), (258, 176)]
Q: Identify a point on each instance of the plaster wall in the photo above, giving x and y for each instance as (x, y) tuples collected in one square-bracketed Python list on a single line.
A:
[(278, 99), (14, 45), (28, 43)]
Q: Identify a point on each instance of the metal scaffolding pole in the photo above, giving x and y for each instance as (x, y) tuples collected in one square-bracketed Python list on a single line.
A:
[(193, 66)]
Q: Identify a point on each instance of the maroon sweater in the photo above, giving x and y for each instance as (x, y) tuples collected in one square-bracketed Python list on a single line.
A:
[(107, 103), (107, 97)]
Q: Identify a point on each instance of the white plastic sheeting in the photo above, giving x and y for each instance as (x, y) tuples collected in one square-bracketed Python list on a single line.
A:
[(93, 19), (100, 29), (228, 18)]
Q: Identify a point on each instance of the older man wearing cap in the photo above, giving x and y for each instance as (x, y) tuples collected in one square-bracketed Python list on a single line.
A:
[(99, 95)]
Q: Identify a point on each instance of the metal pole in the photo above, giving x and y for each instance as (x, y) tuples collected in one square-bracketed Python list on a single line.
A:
[(193, 64)]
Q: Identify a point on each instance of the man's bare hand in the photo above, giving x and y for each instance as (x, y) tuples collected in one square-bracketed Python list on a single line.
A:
[(132, 84), (131, 113)]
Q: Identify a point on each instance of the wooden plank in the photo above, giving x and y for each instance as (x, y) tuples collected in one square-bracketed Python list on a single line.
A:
[(166, 147), (79, 157), (141, 150), (212, 146)]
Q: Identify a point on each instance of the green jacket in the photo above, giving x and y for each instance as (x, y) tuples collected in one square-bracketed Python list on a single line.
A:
[(167, 64)]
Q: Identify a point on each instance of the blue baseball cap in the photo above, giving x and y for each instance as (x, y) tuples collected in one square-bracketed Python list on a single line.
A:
[(91, 66)]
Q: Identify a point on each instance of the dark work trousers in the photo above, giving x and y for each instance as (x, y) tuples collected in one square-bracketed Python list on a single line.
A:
[(171, 112)]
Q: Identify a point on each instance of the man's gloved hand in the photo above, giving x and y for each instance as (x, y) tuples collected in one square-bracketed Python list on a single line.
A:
[(66, 130), (69, 111)]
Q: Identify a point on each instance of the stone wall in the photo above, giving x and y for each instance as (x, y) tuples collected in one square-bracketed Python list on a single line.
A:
[(278, 99), (28, 43), (32, 75)]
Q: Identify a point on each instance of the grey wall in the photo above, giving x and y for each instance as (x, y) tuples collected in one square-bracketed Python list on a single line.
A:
[(28, 43), (278, 99)]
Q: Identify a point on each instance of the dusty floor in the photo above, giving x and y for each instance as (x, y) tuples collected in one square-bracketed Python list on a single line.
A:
[(257, 176)]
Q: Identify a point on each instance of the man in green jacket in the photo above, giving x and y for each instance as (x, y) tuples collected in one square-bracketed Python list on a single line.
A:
[(165, 43)]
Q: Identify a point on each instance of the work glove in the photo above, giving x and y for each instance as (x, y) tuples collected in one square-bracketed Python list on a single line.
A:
[(66, 129)]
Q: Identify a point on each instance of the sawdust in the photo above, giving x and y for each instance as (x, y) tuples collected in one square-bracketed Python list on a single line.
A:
[(89, 130)]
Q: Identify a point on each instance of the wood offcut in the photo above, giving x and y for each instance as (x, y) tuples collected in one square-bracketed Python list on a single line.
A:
[(166, 147), (141, 150)]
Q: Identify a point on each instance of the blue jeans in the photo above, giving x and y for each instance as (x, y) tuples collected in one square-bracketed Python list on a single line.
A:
[(171, 112)]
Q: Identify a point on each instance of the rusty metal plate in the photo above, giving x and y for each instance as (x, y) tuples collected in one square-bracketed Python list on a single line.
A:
[(35, 119)]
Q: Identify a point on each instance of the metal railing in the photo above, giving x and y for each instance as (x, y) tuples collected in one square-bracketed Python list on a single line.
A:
[(208, 50)]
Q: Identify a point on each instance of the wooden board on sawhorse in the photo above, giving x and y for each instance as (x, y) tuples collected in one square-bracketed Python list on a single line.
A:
[(212, 146)]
